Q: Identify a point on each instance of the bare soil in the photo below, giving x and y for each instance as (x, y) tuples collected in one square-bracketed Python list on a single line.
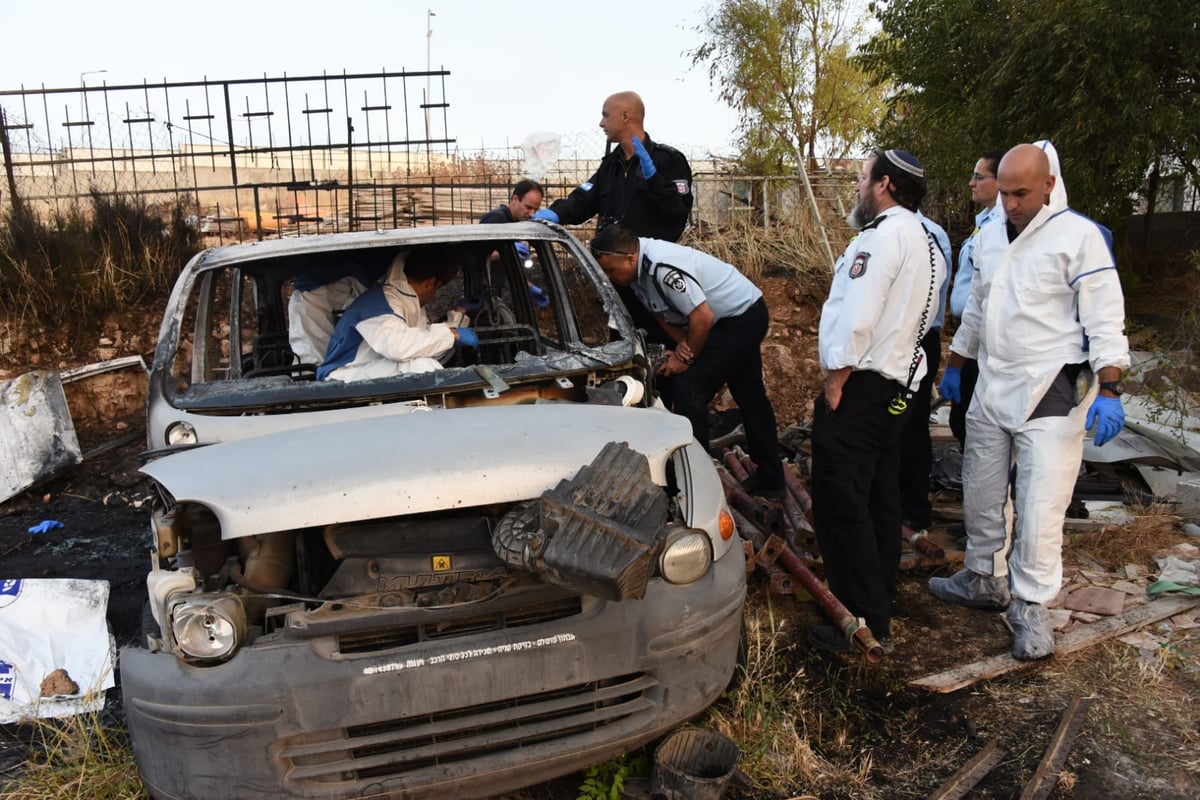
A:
[(1141, 738)]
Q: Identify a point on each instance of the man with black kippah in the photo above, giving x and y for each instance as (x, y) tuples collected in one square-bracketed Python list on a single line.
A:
[(881, 304)]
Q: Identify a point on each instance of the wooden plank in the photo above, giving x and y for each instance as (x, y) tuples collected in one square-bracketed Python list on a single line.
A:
[(971, 773), (1055, 757), (1079, 639)]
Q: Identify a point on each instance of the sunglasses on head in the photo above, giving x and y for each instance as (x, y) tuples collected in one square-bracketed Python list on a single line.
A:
[(598, 253)]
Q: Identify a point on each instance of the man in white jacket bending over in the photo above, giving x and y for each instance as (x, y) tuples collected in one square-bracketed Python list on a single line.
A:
[(1046, 320), (385, 331)]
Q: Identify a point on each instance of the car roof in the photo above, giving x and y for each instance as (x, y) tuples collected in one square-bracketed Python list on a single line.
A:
[(310, 244)]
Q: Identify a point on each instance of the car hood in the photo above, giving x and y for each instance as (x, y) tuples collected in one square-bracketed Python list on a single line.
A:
[(408, 463)]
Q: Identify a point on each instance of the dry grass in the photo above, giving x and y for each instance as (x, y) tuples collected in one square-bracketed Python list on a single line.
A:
[(67, 273), (77, 758), (794, 249), (1143, 708), (770, 710), (1153, 529)]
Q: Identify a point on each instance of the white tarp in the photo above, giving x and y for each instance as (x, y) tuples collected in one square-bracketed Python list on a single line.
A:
[(49, 624)]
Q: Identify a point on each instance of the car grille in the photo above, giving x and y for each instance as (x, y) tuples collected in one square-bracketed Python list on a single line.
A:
[(401, 746), (402, 635)]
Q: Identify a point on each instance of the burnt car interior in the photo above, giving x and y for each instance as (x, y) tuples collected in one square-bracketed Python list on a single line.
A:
[(243, 309)]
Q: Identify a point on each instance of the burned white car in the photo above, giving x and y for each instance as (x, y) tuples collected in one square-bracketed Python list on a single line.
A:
[(447, 583)]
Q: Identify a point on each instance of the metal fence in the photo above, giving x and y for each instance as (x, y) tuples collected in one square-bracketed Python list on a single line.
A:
[(277, 156)]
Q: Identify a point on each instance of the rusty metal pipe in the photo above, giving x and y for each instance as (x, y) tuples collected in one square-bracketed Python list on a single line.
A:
[(920, 541), (795, 527), (734, 464), (753, 539), (797, 505), (793, 510), (740, 500), (796, 502), (796, 489), (777, 550), (804, 538)]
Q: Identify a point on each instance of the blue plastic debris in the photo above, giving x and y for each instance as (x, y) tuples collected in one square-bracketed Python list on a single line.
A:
[(46, 525)]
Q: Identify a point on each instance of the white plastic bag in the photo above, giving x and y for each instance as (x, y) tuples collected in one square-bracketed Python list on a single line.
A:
[(49, 624), (541, 153)]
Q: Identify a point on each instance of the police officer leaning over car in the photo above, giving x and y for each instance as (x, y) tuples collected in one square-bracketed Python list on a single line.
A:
[(716, 319), (880, 306)]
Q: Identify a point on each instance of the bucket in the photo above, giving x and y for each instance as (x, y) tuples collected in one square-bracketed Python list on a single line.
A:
[(693, 764)]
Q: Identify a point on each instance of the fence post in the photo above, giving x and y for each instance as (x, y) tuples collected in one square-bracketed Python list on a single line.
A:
[(257, 215), (766, 203), (14, 199), (350, 174), (229, 128)]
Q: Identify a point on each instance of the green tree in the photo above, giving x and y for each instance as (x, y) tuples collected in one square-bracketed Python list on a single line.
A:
[(1113, 83), (787, 66)]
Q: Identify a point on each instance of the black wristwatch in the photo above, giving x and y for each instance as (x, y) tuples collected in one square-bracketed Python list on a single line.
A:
[(1116, 387)]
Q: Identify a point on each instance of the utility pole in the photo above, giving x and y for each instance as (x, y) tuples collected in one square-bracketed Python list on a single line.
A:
[(428, 68)]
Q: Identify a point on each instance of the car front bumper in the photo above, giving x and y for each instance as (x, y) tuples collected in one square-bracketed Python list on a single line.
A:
[(471, 716)]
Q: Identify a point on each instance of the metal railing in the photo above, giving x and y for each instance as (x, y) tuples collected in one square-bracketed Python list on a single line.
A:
[(277, 156)]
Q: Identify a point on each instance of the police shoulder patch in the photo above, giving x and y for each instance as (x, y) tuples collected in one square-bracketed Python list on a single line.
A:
[(682, 187), (675, 282), (858, 267), (586, 186)]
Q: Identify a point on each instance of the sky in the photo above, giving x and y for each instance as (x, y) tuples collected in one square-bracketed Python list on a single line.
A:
[(514, 69)]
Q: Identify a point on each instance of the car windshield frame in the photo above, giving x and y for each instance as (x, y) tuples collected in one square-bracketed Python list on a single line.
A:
[(564, 351)]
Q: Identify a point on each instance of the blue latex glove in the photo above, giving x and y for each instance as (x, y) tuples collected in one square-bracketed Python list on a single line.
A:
[(46, 525), (470, 304), (539, 296), (523, 251), (1107, 415), (546, 214), (648, 168), (951, 385), (467, 337)]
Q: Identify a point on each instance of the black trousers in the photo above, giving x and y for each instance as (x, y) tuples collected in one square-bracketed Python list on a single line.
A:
[(856, 495), (958, 411), (733, 356), (916, 448)]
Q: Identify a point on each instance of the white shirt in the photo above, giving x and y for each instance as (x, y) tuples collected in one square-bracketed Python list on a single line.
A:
[(673, 280), (966, 260), (883, 299)]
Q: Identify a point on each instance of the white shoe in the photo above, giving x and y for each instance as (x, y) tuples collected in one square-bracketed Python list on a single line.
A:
[(969, 588), (1033, 635)]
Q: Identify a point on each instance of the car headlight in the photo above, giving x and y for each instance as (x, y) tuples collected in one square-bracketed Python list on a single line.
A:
[(181, 433), (208, 627), (686, 558)]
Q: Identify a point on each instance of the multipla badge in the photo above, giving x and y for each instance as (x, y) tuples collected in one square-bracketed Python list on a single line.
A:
[(859, 267)]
